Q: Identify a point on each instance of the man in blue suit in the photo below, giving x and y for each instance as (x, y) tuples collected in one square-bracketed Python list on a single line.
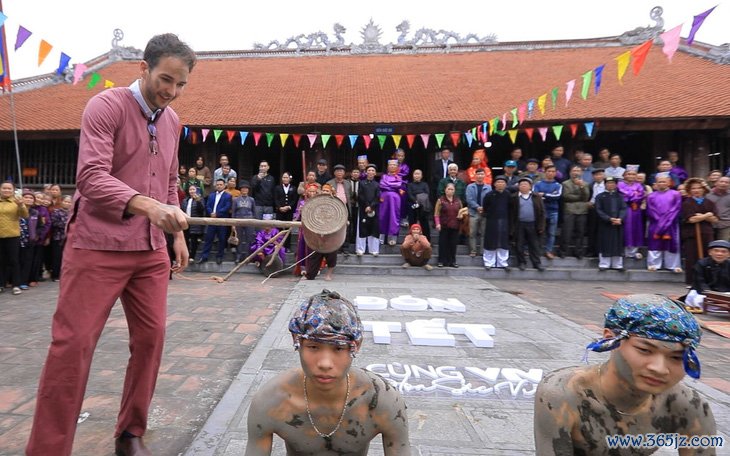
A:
[(218, 206)]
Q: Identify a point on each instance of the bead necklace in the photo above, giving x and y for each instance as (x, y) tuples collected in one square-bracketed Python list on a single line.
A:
[(600, 389), (342, 416)]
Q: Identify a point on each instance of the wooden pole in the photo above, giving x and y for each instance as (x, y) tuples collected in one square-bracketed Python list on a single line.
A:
[(256, 223), (698, 237)]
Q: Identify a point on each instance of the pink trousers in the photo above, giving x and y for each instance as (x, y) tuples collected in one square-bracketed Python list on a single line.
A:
[(91, 282)]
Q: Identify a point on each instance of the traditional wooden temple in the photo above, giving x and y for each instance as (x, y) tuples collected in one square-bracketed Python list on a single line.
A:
[(315, 96)]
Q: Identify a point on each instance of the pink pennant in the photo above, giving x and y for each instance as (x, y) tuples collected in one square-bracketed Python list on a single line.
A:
[(521, 112), (79, 70), (256, 137), (367, 139), (425, 138), (312, 138), (671, 41), (504, 121), (569, 90), (205, 133), (543, 132)]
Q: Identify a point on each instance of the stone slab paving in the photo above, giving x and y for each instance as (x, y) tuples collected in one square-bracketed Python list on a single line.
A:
[(493, 421)]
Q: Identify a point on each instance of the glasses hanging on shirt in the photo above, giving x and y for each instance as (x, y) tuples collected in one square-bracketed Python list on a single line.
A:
[(152, 130)]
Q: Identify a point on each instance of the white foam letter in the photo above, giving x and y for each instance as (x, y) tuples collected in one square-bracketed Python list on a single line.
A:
[(451, 304), (381, 330), (408, 303), (430, 332), (479, 335), (371, 303)]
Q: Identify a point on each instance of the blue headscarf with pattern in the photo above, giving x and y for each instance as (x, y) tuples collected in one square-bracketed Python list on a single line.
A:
[(329, 318), (653, 316)]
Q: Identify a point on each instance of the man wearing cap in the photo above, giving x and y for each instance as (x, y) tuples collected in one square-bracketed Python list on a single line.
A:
[(326, 406), (711, 273), (528, 224), (611, 212), (416, 249), (510, 173), (496, 206), (362, 165), (531, 171), (368, 226), (323, 175), (662, 211), (244, 207), (638, 391), (597, 187), (262, 190), (218, 205)]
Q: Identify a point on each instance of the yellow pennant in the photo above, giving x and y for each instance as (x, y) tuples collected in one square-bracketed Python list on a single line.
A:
[(541, 102), (396, 140), (283, 137), (512, 135), (623, 63)]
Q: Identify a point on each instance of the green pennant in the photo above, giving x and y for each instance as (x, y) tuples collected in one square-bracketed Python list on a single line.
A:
[(474, 133), (554, 96), (557, 131), (439, 138), (381, 140), (325, 139), (586, 84), (501, 132), (217, 134), (493, 125), (269, 138), (514, 117), (95, 78)]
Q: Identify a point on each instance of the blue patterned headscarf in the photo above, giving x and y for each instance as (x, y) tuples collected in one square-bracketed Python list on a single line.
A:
[(329, 318), (652, 316)]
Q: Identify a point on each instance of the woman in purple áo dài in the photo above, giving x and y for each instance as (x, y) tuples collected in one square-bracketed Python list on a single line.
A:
[(391, 188), (634, 194)]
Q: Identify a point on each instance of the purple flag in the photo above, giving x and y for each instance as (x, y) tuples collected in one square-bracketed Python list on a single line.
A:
[(23, 34), (697, 23), (598, 74)]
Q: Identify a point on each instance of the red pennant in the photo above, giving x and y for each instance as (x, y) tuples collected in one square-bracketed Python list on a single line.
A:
[(573, 129), (297, 138), (455, 138), (410, 139), (256, 137), (367, 140), (639, 54), (230, 134), (529, 132), (339, 139)]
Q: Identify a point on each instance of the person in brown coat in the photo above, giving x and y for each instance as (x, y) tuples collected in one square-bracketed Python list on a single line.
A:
[(697, 217)]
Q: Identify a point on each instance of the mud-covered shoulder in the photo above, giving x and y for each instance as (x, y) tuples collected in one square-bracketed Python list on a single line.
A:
[(683, 410)]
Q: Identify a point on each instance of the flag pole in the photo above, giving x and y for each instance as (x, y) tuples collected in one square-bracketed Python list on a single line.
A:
[(8, 83)]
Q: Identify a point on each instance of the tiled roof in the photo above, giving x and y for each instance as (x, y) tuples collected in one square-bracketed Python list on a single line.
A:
[(457, 89)]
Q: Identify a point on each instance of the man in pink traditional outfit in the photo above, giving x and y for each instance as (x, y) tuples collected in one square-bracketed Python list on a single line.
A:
[(391, 188), (633, 192), (116, 248)]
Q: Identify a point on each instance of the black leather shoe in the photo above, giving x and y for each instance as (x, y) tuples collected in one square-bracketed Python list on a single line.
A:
[(201, 260), (522, 267), (507, 269), (219, 261), (130, 446), (454, 265)]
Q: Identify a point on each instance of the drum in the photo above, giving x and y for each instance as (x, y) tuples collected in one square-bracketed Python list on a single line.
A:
[(324, 223)]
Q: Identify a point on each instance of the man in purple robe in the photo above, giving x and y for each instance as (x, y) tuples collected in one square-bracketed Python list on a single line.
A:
[(390, 202), (634, 194), (403, 171), (662, 210)]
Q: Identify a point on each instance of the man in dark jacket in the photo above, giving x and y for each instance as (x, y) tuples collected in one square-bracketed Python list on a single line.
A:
[(528, 223), (262, 190), (712, 273), (611, 212)]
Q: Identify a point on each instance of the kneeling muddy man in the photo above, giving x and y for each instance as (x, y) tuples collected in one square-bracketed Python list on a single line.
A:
[(638, 392), (326, 406)]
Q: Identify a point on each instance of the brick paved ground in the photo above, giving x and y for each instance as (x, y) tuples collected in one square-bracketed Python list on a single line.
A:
[(211, 330)]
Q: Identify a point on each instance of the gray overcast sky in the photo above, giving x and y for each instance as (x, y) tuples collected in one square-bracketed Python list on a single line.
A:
[(83, 28)]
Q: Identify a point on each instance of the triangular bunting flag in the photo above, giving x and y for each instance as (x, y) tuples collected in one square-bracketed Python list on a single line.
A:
[(185, 132), (312, 138), (589, 128), (396, 140), (623, 63), (541, 103), (599, 76), (521, 112), (439, 138), (297, 137), (554, 96), (217, 135), (697, 23), (557, 131), (493, 125), (469, 138), (230, 134), (671, 41), (425, 137), (283, 137), (269, 138), (569, 90), (339, 139), (62, 63), (504, 121), (108, 84), (573, 129), (205, 132), (409, 140), (474, 132), (2, 18), (530, 107), (353, 139), (23, 34), (381, 140), (455, 136), (639, 54), (43, 50), (512, 135), (325, 140), (366, 139), (79, 69), (514, 117), (529, 132), (243, 135), (256, 137), (95, 78), (586, 84), (543, 132)]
